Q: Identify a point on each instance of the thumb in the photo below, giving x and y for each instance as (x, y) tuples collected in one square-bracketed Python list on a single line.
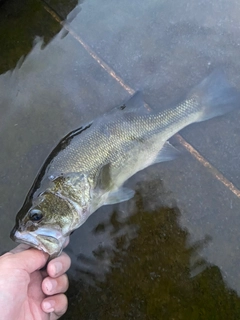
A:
[(29, 260)]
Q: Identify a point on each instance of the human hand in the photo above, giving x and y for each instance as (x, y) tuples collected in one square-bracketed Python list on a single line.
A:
[(26, 292)]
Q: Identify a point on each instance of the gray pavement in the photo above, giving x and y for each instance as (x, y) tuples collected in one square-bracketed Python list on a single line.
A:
[(162, 48)]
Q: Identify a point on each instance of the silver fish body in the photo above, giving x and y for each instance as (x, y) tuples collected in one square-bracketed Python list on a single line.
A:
[(90, 165)]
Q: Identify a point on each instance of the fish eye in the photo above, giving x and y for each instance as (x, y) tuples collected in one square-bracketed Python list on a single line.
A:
[(35, 215)]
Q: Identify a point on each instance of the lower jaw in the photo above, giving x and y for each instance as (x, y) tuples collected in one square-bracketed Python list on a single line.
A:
[(29, 243)]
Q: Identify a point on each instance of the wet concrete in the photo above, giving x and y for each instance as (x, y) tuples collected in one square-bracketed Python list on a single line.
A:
[(172, 252)]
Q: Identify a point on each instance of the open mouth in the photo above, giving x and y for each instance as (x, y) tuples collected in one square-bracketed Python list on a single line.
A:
[(48, 240), (26, 238)]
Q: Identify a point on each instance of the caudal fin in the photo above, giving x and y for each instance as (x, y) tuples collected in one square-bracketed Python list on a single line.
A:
[(216, 96)]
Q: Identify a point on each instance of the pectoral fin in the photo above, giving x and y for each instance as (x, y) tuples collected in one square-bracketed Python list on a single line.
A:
[(104, 181), (119, 195)]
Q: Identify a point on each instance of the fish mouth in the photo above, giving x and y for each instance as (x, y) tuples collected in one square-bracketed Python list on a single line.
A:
[(26, 238), (47, 240)]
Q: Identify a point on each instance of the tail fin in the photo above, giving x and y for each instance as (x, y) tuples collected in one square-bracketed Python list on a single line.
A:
[(216, 96)]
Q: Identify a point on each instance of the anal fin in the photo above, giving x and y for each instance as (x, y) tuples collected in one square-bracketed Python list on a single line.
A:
[(167, 153)]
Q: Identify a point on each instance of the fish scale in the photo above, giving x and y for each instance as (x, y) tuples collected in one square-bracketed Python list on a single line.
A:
[(106, 146)]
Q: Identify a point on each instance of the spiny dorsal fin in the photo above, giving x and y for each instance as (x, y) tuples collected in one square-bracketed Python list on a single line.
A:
[(134, 104)]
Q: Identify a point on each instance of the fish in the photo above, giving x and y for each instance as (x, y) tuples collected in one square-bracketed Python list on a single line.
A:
[(89, 166)]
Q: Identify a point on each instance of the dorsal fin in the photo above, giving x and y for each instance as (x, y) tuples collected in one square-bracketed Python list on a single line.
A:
[(134, 104)]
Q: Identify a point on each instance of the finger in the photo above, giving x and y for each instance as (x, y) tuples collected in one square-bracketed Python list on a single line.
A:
[(56, 305), (29, 260), (21, 247), (52, 286), (59, 265)]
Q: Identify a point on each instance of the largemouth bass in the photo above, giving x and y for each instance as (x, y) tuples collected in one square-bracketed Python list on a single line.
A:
[(89, 166)]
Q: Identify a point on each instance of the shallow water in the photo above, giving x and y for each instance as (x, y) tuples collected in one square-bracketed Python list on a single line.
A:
[(172, 252)]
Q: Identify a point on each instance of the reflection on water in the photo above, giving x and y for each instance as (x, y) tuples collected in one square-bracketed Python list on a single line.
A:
[(154, 276), (20, 23), (169, 255)]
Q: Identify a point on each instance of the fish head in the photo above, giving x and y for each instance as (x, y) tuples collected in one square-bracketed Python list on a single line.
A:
[(50, 218), (46, 225)]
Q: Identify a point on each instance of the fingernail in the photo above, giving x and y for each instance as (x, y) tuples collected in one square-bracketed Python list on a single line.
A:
[(50, 284), (58, 267), (48, 306)]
